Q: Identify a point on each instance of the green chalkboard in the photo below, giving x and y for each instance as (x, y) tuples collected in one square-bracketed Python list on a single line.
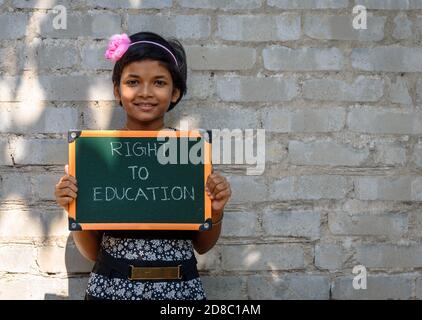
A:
[(123, 185)]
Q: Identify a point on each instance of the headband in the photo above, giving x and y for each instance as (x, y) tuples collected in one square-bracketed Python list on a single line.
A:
[(120, 43)]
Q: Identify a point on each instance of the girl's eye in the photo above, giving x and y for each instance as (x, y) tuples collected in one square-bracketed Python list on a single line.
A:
[(160, 82), (132, 82)]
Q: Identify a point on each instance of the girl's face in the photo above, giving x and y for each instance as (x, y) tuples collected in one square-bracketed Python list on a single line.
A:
[(146, 90)]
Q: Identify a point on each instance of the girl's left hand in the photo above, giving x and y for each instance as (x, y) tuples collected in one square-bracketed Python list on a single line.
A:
[(218, 189)]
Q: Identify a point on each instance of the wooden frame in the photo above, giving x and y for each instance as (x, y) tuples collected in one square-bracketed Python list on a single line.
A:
[(74, 225)]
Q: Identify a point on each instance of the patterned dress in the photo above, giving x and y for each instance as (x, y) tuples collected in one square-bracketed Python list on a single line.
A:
[(102, 287)]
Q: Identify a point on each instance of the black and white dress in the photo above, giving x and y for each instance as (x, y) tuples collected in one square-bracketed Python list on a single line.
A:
[(103, 287)]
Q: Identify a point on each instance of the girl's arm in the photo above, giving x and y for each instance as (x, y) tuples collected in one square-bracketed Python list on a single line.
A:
[(205, 241), (219, 191), (88, 243)]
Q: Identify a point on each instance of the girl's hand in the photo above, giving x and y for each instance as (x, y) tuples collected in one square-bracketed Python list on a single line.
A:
[(66, 190), (218, 189)]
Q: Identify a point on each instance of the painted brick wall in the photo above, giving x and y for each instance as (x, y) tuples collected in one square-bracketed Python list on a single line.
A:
[(342, 112)]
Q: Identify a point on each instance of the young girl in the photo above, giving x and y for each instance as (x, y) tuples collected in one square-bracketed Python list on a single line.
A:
[(149, 79)]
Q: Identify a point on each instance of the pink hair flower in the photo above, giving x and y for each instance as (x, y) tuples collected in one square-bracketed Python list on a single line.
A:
[(117, 46)]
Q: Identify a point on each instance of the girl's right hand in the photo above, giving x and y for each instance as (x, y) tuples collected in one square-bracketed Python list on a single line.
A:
[(66, 190)]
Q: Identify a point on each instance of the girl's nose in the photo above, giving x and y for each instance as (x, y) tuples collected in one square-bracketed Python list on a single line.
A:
[(145, 91)]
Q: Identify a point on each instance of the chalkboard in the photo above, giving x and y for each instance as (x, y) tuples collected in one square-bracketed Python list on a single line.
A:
[(140, 180)]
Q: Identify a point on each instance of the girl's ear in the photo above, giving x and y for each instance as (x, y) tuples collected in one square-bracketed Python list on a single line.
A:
[(176, 94), (117, 93)]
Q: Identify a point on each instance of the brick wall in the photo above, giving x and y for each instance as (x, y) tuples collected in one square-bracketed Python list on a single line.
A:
[(341, 109)]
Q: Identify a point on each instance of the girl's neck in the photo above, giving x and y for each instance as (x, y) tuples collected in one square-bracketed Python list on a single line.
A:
[(153, 126)]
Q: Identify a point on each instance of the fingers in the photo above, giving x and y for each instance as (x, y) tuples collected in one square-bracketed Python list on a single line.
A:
[(66, 190), (70, 178), (62, 193), (217, 187), (214, 179), (226, 193), (64, 197), (64, 202), (67, 184)]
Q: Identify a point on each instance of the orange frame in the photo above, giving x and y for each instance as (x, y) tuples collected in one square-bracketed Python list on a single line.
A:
[(139, 226)]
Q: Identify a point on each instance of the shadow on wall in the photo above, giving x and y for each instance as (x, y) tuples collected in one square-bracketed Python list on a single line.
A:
[(48, 88), (77, 268)]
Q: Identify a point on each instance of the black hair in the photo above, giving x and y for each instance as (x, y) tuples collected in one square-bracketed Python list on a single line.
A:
[(144, 51)]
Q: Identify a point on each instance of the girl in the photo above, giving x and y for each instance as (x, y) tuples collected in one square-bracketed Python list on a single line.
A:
[(149, 79)]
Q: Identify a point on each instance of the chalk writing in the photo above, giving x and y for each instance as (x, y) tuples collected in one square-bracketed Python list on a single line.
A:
[(134, 149), (161, 193)]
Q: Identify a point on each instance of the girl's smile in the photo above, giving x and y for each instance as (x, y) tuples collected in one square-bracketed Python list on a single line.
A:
[(146, 91)]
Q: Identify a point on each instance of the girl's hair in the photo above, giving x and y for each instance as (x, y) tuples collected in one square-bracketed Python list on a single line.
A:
[(144, 51)]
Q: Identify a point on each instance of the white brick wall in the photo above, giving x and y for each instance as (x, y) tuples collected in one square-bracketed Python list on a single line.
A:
[(364, 224), (179, 26), (387, 58), (252, 89), (362, 89), (221, 4), (258, 27), (321, 153), (252, 257), (339, 27), (303, 120), (296, 287), (391, 4), (341, 108), (221, 58), (309, 4), (329, 256), (303, 59), (379, 287), (304, 224), (13, 26)]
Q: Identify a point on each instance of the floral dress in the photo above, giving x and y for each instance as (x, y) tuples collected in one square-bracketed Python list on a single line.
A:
[(102, 287)]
